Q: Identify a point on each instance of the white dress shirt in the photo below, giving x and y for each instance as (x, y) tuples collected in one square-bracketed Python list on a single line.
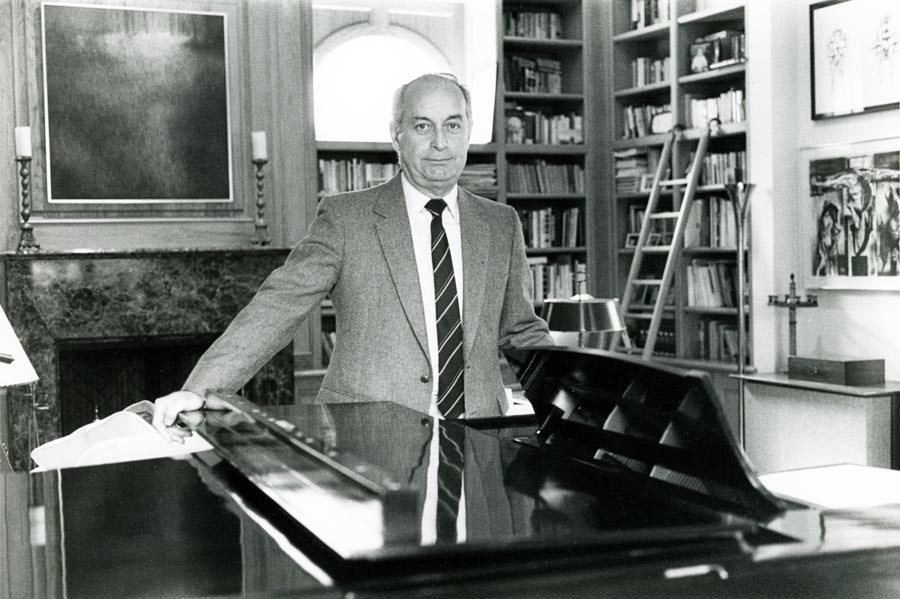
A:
[(420, 227)]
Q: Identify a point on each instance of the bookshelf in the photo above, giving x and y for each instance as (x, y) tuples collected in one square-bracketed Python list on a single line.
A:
[(681, 63), (543, 123), (542, 165)]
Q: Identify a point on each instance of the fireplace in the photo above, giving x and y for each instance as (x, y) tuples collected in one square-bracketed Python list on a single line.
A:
[(106, 329)]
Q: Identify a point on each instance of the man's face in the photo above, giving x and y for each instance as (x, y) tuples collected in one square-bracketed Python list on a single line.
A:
[(432, 138)]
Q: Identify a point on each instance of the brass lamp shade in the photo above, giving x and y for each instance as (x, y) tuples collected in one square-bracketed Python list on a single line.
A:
[(584, 321)]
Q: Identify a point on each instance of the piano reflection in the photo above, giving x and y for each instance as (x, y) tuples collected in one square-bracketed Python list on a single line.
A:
[(625, 482)]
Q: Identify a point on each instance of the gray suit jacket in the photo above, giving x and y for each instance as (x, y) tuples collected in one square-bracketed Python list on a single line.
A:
[(359, 249)]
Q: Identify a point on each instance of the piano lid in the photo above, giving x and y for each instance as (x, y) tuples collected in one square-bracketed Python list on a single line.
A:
[(661, 423)]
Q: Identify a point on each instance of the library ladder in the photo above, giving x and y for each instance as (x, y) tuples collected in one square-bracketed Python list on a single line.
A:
[(651, 241)]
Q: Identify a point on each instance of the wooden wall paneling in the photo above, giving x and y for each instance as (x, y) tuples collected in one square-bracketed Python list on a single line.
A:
[(280, 59), (9, 188)]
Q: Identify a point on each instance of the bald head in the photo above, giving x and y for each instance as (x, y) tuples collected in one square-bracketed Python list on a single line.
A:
[(422, 83)]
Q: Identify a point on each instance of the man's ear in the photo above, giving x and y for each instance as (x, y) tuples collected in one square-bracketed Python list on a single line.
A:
[(395, 134)]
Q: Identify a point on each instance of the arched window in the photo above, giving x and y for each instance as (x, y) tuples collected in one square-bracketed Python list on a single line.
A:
[(356, 74), (366, 49)]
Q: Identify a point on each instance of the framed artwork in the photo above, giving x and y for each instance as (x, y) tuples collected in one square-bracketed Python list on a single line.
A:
[(136, 105), (854, 55), (850, 215), (631, 239)]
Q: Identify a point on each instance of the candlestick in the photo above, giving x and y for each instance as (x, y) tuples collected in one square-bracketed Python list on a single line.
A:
[(258, 145), (23, 142), (792, 301), (27, 244), (261, 233)]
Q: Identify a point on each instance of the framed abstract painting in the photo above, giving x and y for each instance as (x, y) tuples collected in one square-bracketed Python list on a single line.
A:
[(850, 214), (137, 111)]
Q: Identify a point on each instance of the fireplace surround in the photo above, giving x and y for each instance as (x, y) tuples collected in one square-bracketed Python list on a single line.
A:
[(165, 303)]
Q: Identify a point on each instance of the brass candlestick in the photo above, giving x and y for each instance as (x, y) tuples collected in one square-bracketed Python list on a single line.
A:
[(792, 301), (27, 245), (261, 232)]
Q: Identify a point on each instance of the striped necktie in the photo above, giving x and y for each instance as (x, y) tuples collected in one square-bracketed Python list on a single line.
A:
[(451, 384), (450, 479)]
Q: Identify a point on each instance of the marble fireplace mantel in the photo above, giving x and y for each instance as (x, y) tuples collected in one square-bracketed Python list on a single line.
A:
[(55, 299)]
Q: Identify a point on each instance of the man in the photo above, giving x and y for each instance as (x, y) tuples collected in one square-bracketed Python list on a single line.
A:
[(372, 251)]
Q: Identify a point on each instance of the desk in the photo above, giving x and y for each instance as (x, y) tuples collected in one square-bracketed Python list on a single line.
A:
[(792, 423)]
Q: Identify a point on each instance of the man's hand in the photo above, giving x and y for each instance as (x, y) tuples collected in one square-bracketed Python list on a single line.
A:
[(166, 410)]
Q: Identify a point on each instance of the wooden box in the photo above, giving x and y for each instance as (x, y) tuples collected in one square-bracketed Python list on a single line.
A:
[(837, 370)]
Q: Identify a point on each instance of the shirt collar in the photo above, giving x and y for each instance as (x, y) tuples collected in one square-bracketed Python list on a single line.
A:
[(416, 200)]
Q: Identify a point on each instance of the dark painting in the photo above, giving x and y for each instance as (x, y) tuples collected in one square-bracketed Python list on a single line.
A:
[(136, 105)]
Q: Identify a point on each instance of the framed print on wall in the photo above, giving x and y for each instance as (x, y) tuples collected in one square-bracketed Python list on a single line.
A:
[(136, 105), (850, 215), (855, 56)]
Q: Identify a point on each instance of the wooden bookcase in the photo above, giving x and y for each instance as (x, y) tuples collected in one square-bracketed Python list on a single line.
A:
[(515, 163), (700, 325)]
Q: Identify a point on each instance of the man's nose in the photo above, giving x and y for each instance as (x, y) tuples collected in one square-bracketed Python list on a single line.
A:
[(439, 139)]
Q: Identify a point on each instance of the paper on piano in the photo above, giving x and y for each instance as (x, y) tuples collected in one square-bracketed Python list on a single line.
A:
[(841, 486), (122, 437)]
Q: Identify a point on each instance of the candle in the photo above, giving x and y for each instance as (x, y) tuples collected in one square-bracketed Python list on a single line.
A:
[(23, 142), (259, 145)]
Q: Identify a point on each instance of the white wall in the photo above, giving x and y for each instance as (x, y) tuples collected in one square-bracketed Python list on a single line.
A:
[(862, 324)]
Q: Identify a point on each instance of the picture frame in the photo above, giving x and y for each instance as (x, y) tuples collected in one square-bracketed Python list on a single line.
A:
[(850, 215), (631, 240), (646, 183), (854, 65), (139, 158)]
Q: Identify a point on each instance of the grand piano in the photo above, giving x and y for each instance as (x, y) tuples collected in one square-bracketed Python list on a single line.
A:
[(624, 483)]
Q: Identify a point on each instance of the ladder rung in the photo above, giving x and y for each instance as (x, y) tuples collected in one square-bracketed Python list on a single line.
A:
[(657, 249), (639, 315), (663, 215), (649, 282), (673, 182)]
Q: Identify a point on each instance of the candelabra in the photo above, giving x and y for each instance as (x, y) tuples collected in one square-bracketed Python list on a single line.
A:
[(27, 244), (792, 301), (261, 233), (739, 194)]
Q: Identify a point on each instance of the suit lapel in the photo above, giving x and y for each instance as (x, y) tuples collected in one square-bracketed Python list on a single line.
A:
[(476, 244), (396, 244)]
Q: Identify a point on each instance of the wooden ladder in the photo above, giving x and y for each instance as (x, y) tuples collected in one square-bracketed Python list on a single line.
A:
[(637, 278)]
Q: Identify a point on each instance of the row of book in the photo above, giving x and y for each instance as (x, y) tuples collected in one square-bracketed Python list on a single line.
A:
[(728, 107), (631, 166), (711, 283), (649, 12), (711, 224), (717, 340), (723, 167), (340, 175), (534, 24), (526, 126), (646, 70), (637, 120), (532, 74), (551, 279), (480, 178), (665, 338), (717, 50), (541, 176), (550, 227)]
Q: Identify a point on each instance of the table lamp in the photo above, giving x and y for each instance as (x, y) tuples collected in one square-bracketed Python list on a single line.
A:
[(15, 368), (583, 320)]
